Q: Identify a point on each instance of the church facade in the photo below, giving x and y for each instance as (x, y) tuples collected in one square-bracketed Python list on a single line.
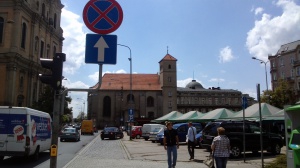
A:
[(153, 95)]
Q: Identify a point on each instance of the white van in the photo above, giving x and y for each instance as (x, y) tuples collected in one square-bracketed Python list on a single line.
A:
[(147, 128), (24, 132)]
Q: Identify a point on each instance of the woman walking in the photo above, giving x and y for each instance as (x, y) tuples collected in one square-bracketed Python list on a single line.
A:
[(221, 148)]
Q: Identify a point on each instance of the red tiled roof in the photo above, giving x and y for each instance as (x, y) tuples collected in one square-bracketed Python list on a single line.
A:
[(139, 82), (169, 57)]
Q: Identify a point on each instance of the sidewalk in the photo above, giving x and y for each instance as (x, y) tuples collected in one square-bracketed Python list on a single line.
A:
[(92, 156)]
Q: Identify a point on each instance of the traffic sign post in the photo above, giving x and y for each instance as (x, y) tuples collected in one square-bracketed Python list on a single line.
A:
[(101, 49), (130, 120), (102, 16)]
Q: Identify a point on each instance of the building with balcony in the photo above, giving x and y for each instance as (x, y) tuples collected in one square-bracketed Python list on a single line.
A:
[(285, 65)]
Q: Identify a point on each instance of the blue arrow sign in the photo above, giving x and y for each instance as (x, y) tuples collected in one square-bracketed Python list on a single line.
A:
[(101, 49)]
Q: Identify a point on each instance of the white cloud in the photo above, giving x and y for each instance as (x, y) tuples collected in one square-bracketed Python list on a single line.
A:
[(74, 43), (269, 33), (258, 10), (216, 80), (225, 55), (223, 71)]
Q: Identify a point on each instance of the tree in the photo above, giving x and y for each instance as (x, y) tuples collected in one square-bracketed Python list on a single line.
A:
[(282, 95), (46, 101)]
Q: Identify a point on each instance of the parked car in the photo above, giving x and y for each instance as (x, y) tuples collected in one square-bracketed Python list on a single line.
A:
[(70, 134), (136, 132), (234, 131), (160, 137), (111, 133), (199, 139), (152, 136), (182, 129), (147, 128)]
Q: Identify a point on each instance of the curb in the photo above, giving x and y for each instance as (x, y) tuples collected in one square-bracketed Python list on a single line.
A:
[(81, 151), (126, 150)]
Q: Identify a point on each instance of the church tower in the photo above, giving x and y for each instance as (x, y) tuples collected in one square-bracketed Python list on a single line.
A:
[(168, 83)]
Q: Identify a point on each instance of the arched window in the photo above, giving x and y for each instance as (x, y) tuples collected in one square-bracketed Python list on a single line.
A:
[(43, 10), (150, 101), (130, 98), (106, 106), (55, 20), (1, 29), (23, 40)]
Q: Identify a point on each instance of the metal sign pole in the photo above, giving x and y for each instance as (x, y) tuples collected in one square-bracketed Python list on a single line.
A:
[(260, 126), (55, 130)]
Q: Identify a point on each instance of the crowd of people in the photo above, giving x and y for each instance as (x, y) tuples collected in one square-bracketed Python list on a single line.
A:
[(220, 145)]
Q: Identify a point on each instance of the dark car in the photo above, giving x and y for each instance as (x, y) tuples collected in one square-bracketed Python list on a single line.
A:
[(111, 133), (70, 134), (234, 131), (199, 139), (182, 129)]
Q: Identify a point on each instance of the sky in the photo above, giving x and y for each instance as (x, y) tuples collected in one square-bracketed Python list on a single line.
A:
[(213, 41)]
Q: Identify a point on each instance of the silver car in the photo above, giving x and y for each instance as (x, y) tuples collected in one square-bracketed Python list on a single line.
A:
[(152, 136)]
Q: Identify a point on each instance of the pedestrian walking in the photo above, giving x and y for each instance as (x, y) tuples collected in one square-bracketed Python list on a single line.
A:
[(191, 139), (171, 144), (221, 148)]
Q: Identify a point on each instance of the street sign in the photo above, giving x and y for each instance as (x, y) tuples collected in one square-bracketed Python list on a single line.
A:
[(102, 16), (131, 115), (101, 49), (245, 102)]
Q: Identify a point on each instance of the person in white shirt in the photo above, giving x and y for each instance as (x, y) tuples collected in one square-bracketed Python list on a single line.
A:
[(191, 135)]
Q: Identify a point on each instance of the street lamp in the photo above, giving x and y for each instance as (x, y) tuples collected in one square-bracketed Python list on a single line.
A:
[(130, 96), (82, 117), (265, 62)]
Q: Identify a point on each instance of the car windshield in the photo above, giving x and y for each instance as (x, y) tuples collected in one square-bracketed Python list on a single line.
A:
[(156, 129), (211, 128), (69, 130), (109, 129)]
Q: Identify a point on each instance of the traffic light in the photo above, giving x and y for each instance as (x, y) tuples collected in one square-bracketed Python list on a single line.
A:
[(56, 66)]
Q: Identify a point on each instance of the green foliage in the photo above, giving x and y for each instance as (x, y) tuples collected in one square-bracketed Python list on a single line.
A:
[(282, 95), (279, 162), (46, 101)]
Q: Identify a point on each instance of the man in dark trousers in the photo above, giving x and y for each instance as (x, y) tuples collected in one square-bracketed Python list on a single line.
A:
[(171, 144), (191, 135)]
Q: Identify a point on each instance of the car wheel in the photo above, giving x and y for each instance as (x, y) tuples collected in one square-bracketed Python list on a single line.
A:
[(146, 139), (115, 137), (1, 158), (122, 136), (61, 139), (153, 141), (161, 142), (102, 138), (235, 151), (138, 137), (276, 149), (36, 154)]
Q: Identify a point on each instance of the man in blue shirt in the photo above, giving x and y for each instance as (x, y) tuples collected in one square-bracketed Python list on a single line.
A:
[(191, 135)]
